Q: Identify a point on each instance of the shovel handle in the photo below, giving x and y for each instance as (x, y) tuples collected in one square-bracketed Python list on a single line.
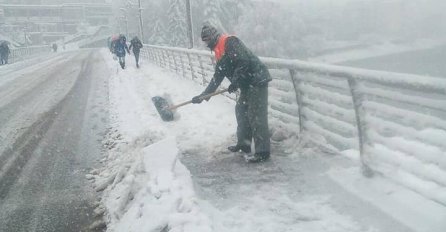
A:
[(202, 97)]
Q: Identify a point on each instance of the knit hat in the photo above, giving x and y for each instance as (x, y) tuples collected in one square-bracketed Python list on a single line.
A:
[(209, 34)]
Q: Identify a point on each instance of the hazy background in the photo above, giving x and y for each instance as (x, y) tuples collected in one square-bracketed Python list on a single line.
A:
[(292, 28), (275, 28)]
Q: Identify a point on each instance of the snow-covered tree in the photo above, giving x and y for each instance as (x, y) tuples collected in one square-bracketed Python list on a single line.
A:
[(294, 29), (270, 34), (212, 11), (157, 36), (231, 10), (177, 26)]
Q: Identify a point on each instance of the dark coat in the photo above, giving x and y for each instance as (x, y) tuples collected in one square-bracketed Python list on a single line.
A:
[(135, 44), (120, 48), (4, 49), (240, 66)]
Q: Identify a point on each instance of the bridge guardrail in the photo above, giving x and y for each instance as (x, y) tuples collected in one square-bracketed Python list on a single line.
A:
[(396, 121), (21, 53)]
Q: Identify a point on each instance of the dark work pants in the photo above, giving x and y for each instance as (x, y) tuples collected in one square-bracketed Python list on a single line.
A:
[(251, 112), (136, 53), (3, 59), (122, 61)]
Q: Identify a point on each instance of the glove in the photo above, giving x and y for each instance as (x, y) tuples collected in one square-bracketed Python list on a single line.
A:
[(232, 88), (197, 99)]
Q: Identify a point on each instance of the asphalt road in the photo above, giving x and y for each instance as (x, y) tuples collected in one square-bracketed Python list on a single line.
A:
[(53, 115)]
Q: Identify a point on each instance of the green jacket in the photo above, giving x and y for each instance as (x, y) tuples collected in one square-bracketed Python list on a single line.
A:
[(240, 66)]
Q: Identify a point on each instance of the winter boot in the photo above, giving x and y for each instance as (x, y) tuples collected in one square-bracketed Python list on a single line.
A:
[(257, 157), (237, 148)]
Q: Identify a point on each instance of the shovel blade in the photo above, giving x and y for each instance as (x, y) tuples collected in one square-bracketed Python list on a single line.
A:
[(162, 106)]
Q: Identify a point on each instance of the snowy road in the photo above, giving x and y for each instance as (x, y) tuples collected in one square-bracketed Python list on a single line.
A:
[(54, 113)]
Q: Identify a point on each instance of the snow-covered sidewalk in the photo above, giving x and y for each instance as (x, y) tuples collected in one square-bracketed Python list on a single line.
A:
[(177, 176)]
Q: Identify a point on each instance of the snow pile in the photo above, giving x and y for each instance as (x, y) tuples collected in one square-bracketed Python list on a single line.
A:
[(145, 187), (155, 194)]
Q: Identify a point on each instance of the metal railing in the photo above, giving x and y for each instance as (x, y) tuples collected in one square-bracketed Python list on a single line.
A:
[(18, 54), (396, 121)]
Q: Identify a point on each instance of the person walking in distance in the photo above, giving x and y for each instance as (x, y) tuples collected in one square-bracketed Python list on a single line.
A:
[(120, 49), (135, 46), (54, 47), (4, 52), (246, 72)]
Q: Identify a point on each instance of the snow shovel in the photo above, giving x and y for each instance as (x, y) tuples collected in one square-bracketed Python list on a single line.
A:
[(166, 111)]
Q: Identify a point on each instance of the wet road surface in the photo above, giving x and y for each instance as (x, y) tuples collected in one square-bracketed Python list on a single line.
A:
[(54, 116)]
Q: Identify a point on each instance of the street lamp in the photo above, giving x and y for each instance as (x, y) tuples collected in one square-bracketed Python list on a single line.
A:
[(189, 24), (141, 32)]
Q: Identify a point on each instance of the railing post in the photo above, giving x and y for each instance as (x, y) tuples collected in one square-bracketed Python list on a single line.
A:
[(165, 60), (298, 92), (148, 54), (161, 57), (203, 79), (169, 66), (214, 63), (191, 66), (358, 99), (174, 61), (182, 64), (154, 55), (158, 56), (143, 54)]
